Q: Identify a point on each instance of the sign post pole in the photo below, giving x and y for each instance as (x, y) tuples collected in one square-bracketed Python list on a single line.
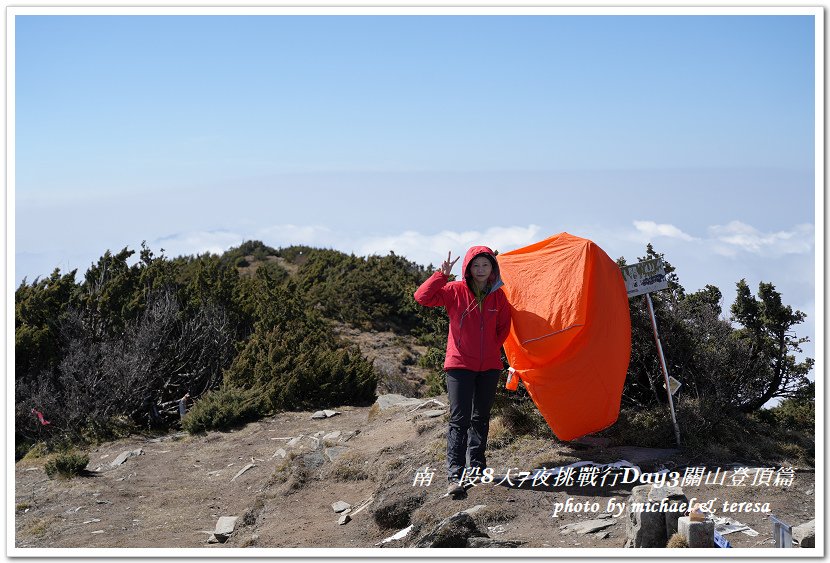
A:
[(643, 278), (663, 365)]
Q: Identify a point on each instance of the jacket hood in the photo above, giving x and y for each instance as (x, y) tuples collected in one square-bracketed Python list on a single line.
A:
[(495, 277)]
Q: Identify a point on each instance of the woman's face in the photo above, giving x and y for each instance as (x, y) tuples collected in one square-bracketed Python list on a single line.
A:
[(480, 269)]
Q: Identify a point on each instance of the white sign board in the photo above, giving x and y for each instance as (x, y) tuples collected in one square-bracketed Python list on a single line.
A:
[(644, 277), (674, 385)]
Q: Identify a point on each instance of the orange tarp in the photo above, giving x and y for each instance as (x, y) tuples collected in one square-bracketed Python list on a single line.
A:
[(571, 336)]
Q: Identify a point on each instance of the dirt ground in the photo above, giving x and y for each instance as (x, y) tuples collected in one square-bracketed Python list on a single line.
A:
[(172, 495)]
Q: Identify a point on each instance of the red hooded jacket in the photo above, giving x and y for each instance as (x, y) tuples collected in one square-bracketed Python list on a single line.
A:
[(476, 333)]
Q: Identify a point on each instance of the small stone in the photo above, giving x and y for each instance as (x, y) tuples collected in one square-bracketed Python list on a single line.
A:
[(434, 413), (124, 456), (331, 436), (344, 519), (340, 506), (225, 527), (477, 508), (280, 453), (324, 414), (304, 442)]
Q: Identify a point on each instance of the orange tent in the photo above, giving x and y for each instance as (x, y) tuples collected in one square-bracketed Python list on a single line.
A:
[(571, 336)]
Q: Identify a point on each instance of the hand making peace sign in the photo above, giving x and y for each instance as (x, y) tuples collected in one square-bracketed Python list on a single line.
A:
[(446, 267)]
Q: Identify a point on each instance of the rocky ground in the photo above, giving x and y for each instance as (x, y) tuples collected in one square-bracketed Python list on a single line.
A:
[(280, 477)]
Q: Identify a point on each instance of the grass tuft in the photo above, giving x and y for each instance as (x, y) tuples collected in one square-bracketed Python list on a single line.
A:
[(66, 465)]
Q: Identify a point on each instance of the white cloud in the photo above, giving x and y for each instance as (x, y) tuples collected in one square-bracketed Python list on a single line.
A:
[(287, 235), (652, 230), (196, 242), (418, 247), (736, 236), (432, 248)]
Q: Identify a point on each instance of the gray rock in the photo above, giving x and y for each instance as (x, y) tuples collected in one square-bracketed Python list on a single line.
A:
[(475, 509), (643, 528), (391, 400), (453, 531), (434, 413), (331, 436), (324, 414), (335, 451), (313, 460), (490, 542), (213, 539), (280, 453), (697, 534), (340, 506), (224, 527), (303, 442), (124, 456), (805, 534), (587, 526), (344, 519), (675, 498)]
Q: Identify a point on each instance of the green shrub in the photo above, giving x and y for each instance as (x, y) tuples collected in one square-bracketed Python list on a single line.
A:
[(648, 427), (718, 433), (433, 360), (351, 466), (795, 414), (522, 418), (66, 465), (27, 450), (296, 366), (223, 409)]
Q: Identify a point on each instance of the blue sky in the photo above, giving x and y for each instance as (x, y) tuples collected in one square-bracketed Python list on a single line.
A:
[(422, 134)]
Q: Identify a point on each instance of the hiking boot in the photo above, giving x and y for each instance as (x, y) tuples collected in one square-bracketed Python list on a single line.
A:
[(455, 489)]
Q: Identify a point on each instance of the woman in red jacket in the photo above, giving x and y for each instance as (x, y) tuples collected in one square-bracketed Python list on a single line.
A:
[(479, 323)]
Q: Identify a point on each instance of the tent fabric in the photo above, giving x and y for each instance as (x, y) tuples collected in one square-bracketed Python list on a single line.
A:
[(570, 341)]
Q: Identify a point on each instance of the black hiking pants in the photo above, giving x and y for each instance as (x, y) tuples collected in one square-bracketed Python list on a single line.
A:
[(471, 395)]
